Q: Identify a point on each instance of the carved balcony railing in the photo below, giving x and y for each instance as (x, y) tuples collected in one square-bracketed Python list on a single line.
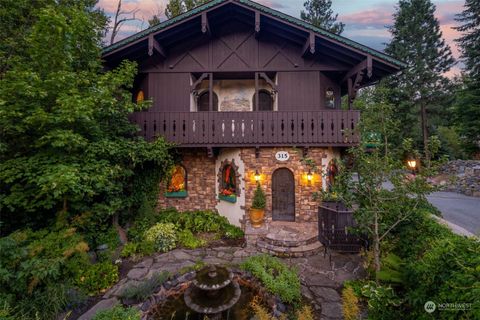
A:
[(263, 128)]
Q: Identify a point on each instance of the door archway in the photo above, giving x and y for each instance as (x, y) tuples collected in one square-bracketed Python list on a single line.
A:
[(283, 195)]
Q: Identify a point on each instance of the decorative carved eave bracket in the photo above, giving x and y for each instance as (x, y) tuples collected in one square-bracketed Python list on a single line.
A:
[(154, 46), (355, 76)]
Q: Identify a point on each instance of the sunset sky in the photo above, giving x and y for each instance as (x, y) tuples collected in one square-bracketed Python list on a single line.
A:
[(365, 20)]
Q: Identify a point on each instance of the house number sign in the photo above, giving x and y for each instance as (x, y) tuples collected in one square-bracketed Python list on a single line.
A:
[(282, 156)]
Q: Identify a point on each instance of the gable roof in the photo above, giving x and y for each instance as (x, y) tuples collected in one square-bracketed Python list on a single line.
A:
[(265, 10)]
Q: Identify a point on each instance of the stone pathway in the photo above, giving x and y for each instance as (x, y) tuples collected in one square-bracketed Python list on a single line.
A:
[(321, 282)]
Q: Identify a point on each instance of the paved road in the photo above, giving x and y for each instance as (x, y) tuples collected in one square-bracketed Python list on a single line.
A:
[(459, 209)]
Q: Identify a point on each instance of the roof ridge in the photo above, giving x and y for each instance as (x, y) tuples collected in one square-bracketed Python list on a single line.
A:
[(264, 9)]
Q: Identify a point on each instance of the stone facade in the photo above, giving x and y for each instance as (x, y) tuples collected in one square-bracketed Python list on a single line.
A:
[(201, 180), (462, 176), (305, 207), (202, 176)]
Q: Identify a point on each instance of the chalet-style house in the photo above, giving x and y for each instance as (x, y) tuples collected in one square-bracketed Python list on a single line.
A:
[(246, 92)]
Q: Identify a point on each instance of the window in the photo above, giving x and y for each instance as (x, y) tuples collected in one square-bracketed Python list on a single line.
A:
[(330, 98), (332, 171), (265, 101), (228, 182), (203, 101), (140, 97), (177, 186)]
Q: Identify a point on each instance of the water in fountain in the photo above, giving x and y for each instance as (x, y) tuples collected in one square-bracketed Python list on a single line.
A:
[(213, 293)]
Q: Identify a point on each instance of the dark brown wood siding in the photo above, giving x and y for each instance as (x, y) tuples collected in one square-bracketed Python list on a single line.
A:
[(169, 91), (299, 91)]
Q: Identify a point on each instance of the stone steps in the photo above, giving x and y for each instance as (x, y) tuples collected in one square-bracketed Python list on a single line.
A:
[(291, 241), (304, 250)]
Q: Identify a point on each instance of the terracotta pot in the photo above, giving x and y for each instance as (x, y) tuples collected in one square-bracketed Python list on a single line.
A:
[(256, 217)]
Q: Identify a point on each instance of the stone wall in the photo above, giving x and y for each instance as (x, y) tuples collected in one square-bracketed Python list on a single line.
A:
[(201, 180), (305, 207), (462, 176)]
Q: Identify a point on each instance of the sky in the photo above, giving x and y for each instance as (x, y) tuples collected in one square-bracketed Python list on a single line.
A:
[(366, 20)]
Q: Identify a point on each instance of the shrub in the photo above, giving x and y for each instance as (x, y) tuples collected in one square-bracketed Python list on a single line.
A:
[(163, 236), (383, 302), (136, 250), (98, 277), (37, 268), (278, 278), (233, 232), (259, 200), (118, 313), (260, 311), (350, 307), (305, 313), (144, 289), (188, 240)]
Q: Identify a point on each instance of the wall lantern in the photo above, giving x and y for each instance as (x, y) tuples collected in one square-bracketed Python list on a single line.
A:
[(257, 176), (412, 164), (309, 176)]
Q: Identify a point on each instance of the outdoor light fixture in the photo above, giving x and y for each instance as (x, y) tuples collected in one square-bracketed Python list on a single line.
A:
[(257, 176), (412, 164), (309, 176)]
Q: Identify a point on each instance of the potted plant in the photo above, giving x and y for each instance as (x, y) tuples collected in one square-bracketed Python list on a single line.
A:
[(257, 211)]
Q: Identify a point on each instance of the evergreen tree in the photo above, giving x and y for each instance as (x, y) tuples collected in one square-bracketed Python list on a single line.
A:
[(177, 7), (470, 40), (419, 89), (153, 21), (320, 14), (467, 106)]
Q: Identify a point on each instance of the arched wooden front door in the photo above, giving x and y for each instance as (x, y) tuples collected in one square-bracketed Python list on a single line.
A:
[(283, 195)]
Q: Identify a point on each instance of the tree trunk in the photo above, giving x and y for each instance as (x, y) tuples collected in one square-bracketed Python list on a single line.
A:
[(376, 248), (425, 134)]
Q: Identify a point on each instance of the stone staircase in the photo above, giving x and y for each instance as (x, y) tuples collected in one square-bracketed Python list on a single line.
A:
[(289, 239)]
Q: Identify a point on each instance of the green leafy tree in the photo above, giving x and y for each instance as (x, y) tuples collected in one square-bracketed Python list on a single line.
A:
[(420, 88), (66, 145), (320, 14)]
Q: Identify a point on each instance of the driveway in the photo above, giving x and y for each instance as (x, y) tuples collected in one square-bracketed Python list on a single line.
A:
[(461, 210)]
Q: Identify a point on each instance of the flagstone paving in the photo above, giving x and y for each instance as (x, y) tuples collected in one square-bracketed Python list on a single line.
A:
[(321, 280)]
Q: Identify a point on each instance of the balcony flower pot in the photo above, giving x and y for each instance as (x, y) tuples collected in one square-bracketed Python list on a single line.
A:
[(257, 211)]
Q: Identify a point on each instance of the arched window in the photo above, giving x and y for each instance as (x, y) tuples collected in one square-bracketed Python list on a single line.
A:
[(228, 181), (177, 185), (332, 171), (140, 97), (265, 101), (330, 98), (203, 101)]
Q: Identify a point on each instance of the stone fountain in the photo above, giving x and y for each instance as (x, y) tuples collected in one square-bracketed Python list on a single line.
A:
[(213, 291)]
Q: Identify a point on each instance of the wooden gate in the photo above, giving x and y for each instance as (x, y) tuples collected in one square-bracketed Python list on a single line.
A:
[(283, 195)]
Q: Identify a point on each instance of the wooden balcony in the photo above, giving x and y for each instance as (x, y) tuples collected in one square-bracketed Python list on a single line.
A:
[(237, 129)]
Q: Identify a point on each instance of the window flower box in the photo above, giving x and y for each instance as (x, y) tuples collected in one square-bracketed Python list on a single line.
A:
[(177, 194), (230, 198)]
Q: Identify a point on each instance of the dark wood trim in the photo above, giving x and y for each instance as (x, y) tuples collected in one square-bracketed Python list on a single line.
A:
[(256, 92), (369, 66), (309, 45), (269, 81), (205, 24), (210, 92), (154, 45), (199, 80), (358, 68), (257, 24)]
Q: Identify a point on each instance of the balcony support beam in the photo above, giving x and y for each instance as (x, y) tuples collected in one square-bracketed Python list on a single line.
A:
[(255, 108), (199, 80)]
